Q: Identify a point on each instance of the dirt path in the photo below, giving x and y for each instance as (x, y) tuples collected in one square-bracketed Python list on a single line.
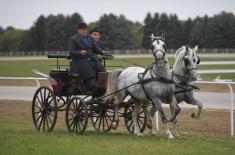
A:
[(211, 122)]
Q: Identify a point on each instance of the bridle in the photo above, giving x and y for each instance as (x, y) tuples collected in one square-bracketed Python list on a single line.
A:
[(186, 61), (154, 52)]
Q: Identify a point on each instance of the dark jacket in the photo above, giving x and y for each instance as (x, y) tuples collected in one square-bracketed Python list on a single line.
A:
[(101, 45), (83, 64)]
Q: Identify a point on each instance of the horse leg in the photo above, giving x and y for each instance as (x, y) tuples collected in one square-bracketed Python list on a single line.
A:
[(175, 109), (153, 116), (199, 106), (190, 99), (174, 131), (135, 113), (116, 101), (151, 123), (164, 118)]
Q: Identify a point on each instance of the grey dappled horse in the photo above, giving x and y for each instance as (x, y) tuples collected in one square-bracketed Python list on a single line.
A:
[(144, 85), (184, 73)]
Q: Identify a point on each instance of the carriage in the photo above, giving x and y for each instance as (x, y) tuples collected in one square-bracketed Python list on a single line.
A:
[(68, 93)]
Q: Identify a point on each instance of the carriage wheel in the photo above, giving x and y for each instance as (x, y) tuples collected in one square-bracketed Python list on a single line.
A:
[(44, 109), (101, 117), (141, 119), (76, 115)]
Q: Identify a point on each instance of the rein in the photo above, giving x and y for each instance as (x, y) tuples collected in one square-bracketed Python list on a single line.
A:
[(142, 82), (183, 85)]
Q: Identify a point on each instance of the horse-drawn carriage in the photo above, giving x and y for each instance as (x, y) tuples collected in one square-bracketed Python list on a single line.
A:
[(68, 93), (152, 86)]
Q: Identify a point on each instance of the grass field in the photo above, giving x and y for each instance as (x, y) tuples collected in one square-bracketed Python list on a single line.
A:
[(207, 136), (19, 137), (23, 68)]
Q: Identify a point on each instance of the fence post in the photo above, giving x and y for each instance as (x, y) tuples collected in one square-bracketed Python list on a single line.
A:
[(231, 110)]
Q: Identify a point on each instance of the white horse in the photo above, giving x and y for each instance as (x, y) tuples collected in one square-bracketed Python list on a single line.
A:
[(184, 73), (144, 85)]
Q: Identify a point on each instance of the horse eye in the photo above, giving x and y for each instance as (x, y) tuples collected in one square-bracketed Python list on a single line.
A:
[(152, 47), (164, 46), (186, 61), (194, 60)]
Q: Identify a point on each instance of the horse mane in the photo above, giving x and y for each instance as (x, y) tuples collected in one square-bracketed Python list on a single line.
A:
[(180, 53)]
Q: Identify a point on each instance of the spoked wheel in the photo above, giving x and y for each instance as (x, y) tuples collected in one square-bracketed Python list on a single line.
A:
[(44, 109), (141, 119), (76, 115), (101, 117)]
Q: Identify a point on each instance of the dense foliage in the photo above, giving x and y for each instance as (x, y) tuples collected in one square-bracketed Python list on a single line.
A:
[(52, 32)]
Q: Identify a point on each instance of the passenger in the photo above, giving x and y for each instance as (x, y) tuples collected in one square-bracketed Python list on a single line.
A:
[(82, 50), (96, 34)]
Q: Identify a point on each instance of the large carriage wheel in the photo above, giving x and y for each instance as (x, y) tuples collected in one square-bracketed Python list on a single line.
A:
[(44, 109), (141, 119), (76, 115), (101, 117)]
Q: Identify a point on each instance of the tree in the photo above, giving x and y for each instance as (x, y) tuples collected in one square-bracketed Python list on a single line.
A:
[(1, 31), (71, 24), (56, 36), (116, 32), (10, 40), (187, 28), (174, 32), (221, 31), (38, 35), (162, 24), (198, 32), (147, 30), (137, 30)]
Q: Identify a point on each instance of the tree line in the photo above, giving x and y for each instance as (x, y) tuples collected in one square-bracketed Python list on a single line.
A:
[(52, 32)]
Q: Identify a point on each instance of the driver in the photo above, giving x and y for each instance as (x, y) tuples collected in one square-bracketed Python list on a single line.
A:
[(83, 51)]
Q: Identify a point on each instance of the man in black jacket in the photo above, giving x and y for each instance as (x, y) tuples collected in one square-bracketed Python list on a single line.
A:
[(83, 51)]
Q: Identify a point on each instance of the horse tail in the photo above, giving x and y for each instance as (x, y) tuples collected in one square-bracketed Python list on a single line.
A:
[(112, 84)]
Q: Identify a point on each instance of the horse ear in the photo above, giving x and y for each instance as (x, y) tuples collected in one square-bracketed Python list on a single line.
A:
[(195, 49), (163, 36), (152, 37), (186, 49)]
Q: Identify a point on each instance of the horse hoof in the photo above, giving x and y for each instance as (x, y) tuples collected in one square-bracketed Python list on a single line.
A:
[(140, 135), (195, 116), (149, 126), (178, 136), (114, 125), (153, 133), (171, 137)]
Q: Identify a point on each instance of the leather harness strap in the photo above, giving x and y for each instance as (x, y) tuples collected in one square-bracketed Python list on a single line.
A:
[(158, 78)]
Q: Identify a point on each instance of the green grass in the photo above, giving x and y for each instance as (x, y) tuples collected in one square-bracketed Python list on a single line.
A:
[(23, 68), (20, 138)]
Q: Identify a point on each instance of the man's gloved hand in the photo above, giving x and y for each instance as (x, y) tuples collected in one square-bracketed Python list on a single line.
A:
[(99, 57), (83, 52)]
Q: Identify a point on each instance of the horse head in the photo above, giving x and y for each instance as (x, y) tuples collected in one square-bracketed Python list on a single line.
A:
[(158, 47), (187, 60)]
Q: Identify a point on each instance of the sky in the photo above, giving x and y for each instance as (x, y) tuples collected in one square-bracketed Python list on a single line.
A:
[(23, 13)]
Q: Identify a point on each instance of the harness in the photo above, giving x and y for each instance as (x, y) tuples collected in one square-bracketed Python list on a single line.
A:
[(184, 84), (158, 78)]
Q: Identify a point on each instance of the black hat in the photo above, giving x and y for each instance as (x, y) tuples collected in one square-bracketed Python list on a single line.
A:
[(95, 30), (82, 26)]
